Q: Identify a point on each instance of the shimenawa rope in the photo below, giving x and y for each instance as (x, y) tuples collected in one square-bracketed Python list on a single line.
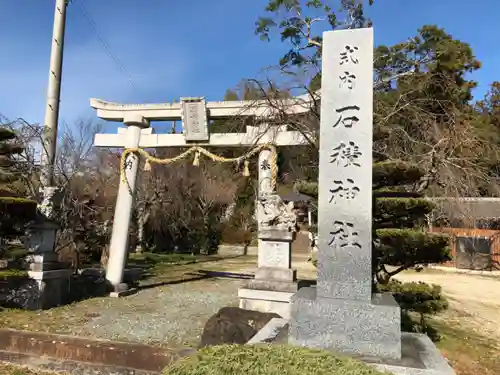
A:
[(198, 152)]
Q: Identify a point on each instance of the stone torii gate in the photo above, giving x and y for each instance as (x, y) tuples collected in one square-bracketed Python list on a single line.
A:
[(194, 114)]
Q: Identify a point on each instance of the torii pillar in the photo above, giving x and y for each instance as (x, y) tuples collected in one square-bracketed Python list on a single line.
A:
[(118, 249)]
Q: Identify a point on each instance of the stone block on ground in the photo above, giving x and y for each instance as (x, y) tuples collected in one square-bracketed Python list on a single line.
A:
[(233, 325)]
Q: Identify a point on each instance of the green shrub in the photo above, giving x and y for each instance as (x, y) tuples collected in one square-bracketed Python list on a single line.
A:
[(267, 360), (419, 299)]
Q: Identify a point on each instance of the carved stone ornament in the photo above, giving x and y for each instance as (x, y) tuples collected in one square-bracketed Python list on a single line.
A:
[(50, 200), (274, 214)]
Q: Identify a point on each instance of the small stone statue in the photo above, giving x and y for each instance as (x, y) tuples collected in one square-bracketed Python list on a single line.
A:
[(274, 214)]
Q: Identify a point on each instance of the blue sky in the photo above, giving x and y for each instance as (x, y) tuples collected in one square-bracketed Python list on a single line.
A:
[(186, 48)]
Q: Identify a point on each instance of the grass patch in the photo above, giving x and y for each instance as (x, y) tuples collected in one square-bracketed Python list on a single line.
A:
[(267, 360), (469, 352)]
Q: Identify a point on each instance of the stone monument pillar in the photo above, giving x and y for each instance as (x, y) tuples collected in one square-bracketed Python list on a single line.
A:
[(341, 313), (118, 249), (50, 284), (275, 280)]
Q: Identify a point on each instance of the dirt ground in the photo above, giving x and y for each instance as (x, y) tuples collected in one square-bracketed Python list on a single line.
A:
[(474, 299)]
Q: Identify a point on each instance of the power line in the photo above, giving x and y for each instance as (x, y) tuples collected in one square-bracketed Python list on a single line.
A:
[(106, 46)]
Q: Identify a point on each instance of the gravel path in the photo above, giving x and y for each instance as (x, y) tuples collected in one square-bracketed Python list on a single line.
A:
[(170, 310), (172, 315)]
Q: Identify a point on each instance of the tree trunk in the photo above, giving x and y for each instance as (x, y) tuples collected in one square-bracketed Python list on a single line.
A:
[(383, 277), (78, 247), (142, 219), (106, 237), (105, 256)]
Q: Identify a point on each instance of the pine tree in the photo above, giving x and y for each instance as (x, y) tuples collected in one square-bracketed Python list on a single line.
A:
[(15, 211), (399, 216)]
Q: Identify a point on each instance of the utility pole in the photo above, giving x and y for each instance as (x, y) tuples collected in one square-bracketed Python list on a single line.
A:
[(53, 96)]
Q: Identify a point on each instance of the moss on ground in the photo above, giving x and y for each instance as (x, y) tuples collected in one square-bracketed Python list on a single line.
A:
[(15, 370), (155, 258), (267, 360), (8, 273)]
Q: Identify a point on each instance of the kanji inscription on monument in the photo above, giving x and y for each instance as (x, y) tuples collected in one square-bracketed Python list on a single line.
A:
[(347, 116), (194, 119), (343, 189), (345, 169)]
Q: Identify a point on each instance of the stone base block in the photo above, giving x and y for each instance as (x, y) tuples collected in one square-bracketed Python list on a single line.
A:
[(272, 285), (346, 326), (265, 301)]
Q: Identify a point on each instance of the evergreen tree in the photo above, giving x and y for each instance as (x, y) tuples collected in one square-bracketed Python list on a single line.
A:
[(15, 211), (399, 216)]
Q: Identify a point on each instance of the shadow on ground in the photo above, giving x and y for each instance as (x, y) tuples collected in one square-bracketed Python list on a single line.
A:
[(200, 274), (152, 266)]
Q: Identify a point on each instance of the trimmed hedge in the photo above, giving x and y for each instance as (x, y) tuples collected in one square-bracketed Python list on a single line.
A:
[(267, 360), (418, 297)]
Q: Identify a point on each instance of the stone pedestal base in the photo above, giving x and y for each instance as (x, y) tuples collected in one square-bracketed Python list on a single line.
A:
[(346, 326), (265, 301), (270, 291), (275, 281), (47, 289)]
